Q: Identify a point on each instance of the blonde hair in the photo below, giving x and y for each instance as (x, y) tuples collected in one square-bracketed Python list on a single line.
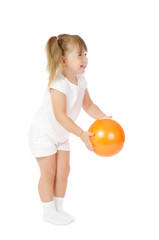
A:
[(56, 47)]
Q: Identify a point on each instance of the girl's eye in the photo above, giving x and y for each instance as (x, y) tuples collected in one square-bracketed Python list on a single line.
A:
[(80, 54)]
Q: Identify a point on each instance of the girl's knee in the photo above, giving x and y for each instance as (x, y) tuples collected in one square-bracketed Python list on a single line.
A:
[(67, 171), (63, 173), (47, 166), (48, 174)]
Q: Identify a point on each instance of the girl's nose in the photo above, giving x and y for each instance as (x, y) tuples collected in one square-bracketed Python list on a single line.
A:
[(85, 58)]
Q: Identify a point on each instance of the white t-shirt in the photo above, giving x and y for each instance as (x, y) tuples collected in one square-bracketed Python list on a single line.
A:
[(45, 118)]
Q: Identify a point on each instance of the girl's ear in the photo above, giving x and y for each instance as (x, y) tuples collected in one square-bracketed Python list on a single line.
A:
[(63, 60)]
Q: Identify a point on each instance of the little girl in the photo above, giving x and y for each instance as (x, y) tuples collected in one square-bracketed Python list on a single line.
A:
[(65, 95)]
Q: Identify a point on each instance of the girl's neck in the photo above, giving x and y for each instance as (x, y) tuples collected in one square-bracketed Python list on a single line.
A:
[(70, 76)]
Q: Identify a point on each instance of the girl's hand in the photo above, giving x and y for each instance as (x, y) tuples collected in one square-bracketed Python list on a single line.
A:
[(105, 116), (85, 138)]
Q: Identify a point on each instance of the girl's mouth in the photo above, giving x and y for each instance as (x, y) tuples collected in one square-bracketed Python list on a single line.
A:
[(83, 66)]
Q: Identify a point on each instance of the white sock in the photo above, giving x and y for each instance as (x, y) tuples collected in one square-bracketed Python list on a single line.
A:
[(59, 207), (52, 216)]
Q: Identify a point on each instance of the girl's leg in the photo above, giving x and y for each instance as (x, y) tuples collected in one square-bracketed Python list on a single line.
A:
[(62, 172), (48, 170)]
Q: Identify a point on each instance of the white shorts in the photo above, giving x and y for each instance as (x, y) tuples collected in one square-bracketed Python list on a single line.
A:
[(41, 144)]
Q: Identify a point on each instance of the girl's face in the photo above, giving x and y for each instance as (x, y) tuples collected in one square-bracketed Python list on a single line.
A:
[(76, 62)]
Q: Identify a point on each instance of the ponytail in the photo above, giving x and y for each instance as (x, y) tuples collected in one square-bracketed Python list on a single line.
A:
[(54, 59)]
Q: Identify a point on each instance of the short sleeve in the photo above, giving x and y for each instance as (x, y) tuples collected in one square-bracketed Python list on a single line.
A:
[(59, 85)]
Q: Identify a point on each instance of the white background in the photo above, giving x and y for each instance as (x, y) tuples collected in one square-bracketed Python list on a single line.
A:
[(112, 198)]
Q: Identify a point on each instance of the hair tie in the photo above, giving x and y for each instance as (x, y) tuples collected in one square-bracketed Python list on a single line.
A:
[(57, 38)]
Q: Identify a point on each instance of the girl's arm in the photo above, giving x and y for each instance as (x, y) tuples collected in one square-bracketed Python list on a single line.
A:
[(92, 109), (59, 107)]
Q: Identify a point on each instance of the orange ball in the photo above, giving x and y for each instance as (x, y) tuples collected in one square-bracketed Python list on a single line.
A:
[(109, 137)]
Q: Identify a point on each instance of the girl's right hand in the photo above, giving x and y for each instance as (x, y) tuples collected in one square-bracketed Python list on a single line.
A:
[(85, 138)]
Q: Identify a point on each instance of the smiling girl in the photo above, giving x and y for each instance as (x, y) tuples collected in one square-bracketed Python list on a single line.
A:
[(51, 125)]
